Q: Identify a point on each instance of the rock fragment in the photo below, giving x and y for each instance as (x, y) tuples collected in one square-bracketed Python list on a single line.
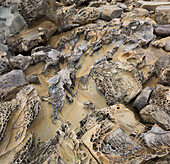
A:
[(11, 82), (151, 6), (164, 78), (110, 12), (87, 15), (33, 79), (64, 80), (162, 30), (143, 99), (118, 82), (158, 110), (162, 15)]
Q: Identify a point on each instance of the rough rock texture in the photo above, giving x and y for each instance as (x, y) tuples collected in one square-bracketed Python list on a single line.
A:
[(158, 110), (32, 37), (11, 82), (11, 22), (33, 79), (20, 62), (25, 108), (110, 12), (143, 99), (87, 15), (164, 78), (64, 80), (46, 54), (162, 63), (4, 63), (106, 132), (63, 148), (118, 82), (162, 14)]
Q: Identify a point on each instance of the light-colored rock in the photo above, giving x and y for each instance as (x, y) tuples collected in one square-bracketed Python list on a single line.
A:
[(164, 78), (110, 12), (151, 6), (162, 14)]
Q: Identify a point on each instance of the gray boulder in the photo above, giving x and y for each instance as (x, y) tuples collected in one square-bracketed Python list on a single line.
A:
[(143, 98)]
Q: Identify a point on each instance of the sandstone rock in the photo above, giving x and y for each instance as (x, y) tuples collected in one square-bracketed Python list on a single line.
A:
[(158, 43), (106, 133), (11, 82), (20, 62), (48, 55), (162, 63), (137, 13), (162, 14), (33, 79), (64, 80), (4, 63), (162, 30), (151, 6), (26, 106), (26, 40), (167, 44), (143, 99), (138, 32), (110, 12), (158, 109), (63, 148), (87, 15), (164, 78), (118, 82)]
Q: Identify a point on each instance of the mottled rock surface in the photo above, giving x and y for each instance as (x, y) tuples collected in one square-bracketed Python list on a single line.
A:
[(118, 82), (158, 109)]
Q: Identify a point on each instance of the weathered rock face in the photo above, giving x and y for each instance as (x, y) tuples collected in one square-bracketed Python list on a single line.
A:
[(11, 22), (143, 99), (162, 14), (118, 82), (162, 30), (164, 78), (32, 37), (48, 55), (64, 80), (162, 63), (158, 109), (110, 12), (82, 56), (11, 82), (87, 15), (106, 132), (69, 149), (151, 6), (22, 110), (4, 63)]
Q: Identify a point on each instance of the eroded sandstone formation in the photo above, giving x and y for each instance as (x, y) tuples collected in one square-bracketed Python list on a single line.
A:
[(100, 69)]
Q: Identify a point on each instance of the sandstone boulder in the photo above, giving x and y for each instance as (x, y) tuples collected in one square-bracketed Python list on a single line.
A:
[(162, 15)]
